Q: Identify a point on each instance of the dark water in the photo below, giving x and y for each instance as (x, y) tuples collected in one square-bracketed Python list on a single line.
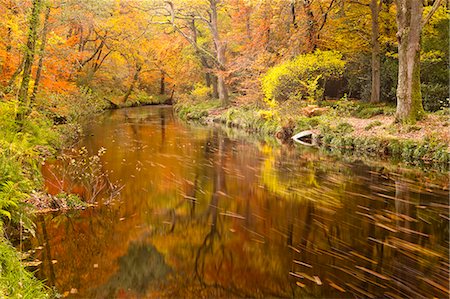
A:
[(203, 214)]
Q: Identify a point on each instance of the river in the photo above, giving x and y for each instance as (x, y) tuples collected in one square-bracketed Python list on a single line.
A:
[(209, 212)]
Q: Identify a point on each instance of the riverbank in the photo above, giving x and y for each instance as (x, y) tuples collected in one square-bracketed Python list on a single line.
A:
[(23, 148), (48, 133), (344, 126)]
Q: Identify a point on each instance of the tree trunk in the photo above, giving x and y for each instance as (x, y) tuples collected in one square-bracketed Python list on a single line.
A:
[(220, 52), (133, 83), (41, 54), (29, 58), (311, 27), (215, 89), (293, 14), (209, 77), (221, 85), (375, 7), (162, 87), (409, 98)]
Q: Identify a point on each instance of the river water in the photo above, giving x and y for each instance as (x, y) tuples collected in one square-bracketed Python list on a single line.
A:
[(206, 212)]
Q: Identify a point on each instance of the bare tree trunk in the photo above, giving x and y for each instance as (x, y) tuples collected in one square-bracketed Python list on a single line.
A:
[(215, 91), (162, 87), (311, 27), (41, 55), (204, 60), (29, 58), (375, 7), (221, 85), (293, 14), (133, 83), (409, 97), (220, 52)]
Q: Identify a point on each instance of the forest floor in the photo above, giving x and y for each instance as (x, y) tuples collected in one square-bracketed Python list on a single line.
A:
[(385, 127), (346, 126)]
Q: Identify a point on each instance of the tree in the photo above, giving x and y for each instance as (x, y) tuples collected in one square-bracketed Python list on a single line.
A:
[(410, 25), (41, 54), (194, 11), (375, 8), (30, 51)]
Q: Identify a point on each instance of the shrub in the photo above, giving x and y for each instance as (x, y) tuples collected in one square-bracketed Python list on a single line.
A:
[(302, 77), (344, 128), (201, 92), (71, 107), (435, 96)]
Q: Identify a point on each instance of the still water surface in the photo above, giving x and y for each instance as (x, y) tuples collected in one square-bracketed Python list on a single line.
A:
[(204, 213)]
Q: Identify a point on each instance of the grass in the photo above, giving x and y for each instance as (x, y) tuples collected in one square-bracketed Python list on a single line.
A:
[(15, 280)]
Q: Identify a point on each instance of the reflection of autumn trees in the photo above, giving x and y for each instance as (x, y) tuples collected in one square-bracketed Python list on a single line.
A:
[(139, 269), (234, 219)]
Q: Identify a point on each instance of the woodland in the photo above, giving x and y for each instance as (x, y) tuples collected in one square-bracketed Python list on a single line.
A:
[(367, 76)]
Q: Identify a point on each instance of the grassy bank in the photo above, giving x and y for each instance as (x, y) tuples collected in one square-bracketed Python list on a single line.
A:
[(53, 124), (138, 100), (344, 126), (15, 280), (22, 150)]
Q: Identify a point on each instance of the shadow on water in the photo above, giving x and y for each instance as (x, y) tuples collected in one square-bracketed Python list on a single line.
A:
[(207, 214)]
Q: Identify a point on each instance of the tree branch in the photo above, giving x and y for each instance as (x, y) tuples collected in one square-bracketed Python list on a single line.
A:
[(436, 5)]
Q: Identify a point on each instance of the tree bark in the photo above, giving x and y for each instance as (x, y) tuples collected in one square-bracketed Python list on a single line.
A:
[(133, 83), (375, 7), (311, 27), (220, 52), (409, 97), (293, 14), (215, 89), (209, 77), (29, 58), (162, 87), (41, 55)]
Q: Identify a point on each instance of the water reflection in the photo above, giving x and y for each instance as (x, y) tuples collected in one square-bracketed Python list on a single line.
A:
[(206, 215)]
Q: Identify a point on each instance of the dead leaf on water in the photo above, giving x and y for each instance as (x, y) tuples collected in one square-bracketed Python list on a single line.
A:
[(335, 286), (300, 284), (32, 264), (386, 227), (318, 281), (373, 273)]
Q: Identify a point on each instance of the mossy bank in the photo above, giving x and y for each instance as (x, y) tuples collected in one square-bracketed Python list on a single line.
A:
[(343, 126)]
